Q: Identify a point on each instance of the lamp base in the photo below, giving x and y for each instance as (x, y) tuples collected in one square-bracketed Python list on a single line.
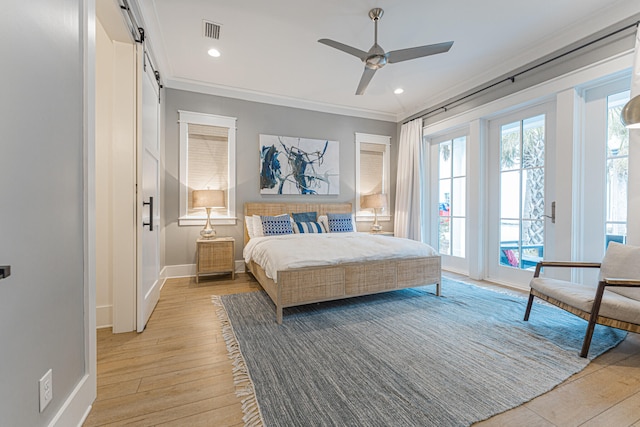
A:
[(208, 231), (376, 228)]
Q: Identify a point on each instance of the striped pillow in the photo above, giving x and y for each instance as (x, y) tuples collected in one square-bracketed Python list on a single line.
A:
[(276, 225), (308, 227)]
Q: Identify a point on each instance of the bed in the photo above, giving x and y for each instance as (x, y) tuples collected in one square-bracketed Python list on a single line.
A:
[(289, 287)]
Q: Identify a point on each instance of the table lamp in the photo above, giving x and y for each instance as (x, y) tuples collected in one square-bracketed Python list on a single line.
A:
[(375, 202), (208, 199)]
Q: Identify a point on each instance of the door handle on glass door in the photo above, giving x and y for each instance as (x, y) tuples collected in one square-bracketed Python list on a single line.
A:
[(553, 213)]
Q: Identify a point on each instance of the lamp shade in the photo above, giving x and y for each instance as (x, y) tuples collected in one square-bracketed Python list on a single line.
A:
[(374, 201), (208, 198), (630, 114)]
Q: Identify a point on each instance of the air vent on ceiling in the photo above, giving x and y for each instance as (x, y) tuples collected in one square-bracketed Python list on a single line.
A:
[(210, 30)]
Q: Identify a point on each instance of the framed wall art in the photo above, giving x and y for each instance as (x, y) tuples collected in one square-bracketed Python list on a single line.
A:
[(291, 165)]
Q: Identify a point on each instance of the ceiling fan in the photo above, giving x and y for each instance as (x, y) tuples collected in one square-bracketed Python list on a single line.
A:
[(376, 57)]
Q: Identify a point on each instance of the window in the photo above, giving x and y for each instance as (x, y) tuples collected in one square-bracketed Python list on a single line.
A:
[(617, 170), (452, 191), (207, 161), (372, 172)]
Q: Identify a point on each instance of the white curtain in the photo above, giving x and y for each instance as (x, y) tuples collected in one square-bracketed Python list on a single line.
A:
[(633, 186), (409, 185)]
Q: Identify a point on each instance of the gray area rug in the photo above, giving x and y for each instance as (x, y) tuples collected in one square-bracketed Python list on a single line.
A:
[(403, 358)]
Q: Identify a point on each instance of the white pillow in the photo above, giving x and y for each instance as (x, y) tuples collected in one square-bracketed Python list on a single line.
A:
[(248, 220), (324, 220), (257, 226)]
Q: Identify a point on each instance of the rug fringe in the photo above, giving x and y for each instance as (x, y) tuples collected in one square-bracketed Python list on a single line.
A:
[(245, 389)]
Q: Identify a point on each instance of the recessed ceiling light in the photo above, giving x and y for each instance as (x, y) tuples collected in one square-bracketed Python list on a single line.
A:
[(398, 91), (214, 52)]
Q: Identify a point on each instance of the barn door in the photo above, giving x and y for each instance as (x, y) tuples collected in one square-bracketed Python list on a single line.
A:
[(148, 283)]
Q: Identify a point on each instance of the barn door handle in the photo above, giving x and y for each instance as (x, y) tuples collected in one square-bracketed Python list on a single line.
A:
[(150, 203)]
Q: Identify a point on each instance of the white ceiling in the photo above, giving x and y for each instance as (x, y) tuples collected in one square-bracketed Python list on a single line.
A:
[(270, 50)]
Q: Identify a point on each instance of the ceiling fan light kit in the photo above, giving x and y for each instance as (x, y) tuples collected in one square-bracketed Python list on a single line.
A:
[(377, 58)]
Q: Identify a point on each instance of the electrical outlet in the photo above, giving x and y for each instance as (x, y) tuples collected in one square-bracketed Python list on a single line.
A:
[(46, 389)]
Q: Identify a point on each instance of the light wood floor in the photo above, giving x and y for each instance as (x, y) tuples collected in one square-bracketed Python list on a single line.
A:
[(176, 373)]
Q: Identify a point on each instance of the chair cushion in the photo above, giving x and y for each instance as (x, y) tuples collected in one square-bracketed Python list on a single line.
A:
[(579, 296), (621, 262)]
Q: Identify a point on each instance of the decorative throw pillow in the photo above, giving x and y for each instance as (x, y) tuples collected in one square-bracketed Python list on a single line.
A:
[(308, 227), (276, 225), (621, 262), (304, 216), (340, 223)]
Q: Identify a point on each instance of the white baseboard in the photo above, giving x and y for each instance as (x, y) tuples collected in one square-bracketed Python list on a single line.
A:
[(104, 316), (189, 270), (163, 277), (184, 270), (76, 408)]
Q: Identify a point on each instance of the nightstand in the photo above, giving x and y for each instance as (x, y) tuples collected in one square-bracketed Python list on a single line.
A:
[(215, 256), (381, 233)]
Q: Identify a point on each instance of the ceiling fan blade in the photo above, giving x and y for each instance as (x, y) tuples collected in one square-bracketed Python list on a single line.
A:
[(418, 52), (367, 75), (343, 47)]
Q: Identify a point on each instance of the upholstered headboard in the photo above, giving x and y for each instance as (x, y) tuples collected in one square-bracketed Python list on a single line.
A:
[(269, 208)]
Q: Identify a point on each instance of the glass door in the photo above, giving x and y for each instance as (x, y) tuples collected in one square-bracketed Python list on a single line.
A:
[(605, 171), (449, 159), (519, 175)]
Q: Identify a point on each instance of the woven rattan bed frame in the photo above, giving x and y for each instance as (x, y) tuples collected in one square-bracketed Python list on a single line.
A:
[(316, 284)]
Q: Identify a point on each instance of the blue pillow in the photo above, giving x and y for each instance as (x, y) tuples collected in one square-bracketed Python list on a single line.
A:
[(305, 216), (308, 227), (340, 223), (276, 225)]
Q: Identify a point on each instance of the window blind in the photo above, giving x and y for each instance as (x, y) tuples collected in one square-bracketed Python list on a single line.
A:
[(208, 160)]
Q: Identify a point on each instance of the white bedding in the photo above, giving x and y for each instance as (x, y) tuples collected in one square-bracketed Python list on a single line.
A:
[(289, 251)]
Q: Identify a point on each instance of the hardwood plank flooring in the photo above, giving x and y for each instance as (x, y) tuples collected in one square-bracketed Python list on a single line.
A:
[(177, 373)]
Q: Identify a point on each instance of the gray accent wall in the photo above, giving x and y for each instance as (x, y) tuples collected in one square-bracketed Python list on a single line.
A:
[(254, 119), (41, 207)]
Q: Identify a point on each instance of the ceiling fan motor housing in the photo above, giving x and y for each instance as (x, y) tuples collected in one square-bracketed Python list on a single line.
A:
[(376, 57)]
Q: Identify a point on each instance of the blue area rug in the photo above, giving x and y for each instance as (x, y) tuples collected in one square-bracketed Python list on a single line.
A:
[(403, 358)]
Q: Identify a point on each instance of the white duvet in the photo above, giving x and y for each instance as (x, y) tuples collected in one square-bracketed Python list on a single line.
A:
[(289, 251)]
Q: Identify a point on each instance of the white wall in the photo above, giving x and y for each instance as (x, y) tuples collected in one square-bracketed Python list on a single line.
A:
[(104, 138), (43, 311), (115, 171)]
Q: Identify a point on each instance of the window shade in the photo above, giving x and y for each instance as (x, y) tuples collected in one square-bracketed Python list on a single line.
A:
[(208, 160), (371, 168)]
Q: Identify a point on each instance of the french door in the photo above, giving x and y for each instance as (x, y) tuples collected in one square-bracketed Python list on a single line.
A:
[(605, 171), (520, 193)]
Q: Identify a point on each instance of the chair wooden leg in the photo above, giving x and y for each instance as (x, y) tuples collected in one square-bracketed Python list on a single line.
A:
[(529, 304), (587, 339), (595, 310)]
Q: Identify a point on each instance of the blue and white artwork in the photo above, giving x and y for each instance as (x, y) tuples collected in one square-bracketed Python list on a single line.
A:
[(290, 165)]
